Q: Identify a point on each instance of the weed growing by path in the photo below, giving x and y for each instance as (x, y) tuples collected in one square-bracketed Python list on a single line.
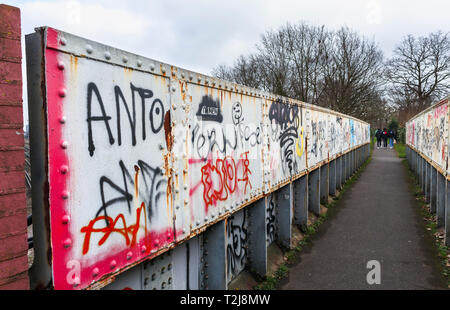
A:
[(401, 149)]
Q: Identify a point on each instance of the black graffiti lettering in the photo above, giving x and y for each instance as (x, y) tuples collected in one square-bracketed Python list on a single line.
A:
[(270, 220), (156, 113), (282, 113), (236, 115), (152, 189), (92, 88), (249, 135), (132, 119), (237, 242), (209, 110), (144, 94), (218, 138), (124, 196), (286, 116), (212, 139)]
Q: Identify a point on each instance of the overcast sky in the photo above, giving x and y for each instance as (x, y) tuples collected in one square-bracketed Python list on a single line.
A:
[(199, 35)]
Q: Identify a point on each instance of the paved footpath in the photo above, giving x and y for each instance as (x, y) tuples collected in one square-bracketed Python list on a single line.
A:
[(376, 219)]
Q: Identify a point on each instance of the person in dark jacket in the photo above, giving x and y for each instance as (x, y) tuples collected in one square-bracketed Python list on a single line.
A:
[(384, 137), (391, 138), (378, 135)]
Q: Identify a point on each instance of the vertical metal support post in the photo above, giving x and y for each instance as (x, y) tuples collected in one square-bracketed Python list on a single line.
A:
[(433, 189), (343, 169), (427, 182), (301, 202), (410, 156), (338, 165), (416, 164), (214, 269), (359, 152), (419, 170), (187, 264), (257, 234), (324, 184), (40, 272), (363, 158), (447, 214), (422, 171), (416, 160), (358, 158), (347, 165), (314, 191), (350, 164), (407, 154), (424, 176), (285, 215), (441, 196), (332, 179)]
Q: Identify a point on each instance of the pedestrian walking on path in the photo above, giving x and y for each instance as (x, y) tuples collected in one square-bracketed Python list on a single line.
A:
[(378, 135), (384, 137)]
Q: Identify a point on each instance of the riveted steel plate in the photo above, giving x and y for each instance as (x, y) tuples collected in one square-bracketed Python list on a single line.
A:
[(143, 155)]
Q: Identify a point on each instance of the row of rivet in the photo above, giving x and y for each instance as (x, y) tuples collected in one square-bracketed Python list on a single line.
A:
[(67, 243), (252, 92), (107, 55)]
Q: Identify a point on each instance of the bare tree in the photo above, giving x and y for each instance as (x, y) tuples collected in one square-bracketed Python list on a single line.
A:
[(353, 74), (340, 70), (306, 53), (419, 71), (273, 62), (245, 71)]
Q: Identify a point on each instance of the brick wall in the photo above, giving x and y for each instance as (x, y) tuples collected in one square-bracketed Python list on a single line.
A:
[(13, 213)]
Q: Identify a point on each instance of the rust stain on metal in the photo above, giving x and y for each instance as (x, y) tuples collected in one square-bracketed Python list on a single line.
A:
[(182, 91), (168, 131), (73, 63), (167, 161), (128, 72), (173, 70), (161, 68), (168, 175)]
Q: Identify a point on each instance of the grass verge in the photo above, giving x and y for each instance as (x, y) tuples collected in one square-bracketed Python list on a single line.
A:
[(291, 256), (442, 251), (401, 149)]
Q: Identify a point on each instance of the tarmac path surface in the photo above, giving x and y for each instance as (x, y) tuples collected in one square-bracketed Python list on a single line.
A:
[(375, 219)]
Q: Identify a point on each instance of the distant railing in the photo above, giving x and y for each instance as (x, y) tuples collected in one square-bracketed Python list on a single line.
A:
[(427, 140)]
